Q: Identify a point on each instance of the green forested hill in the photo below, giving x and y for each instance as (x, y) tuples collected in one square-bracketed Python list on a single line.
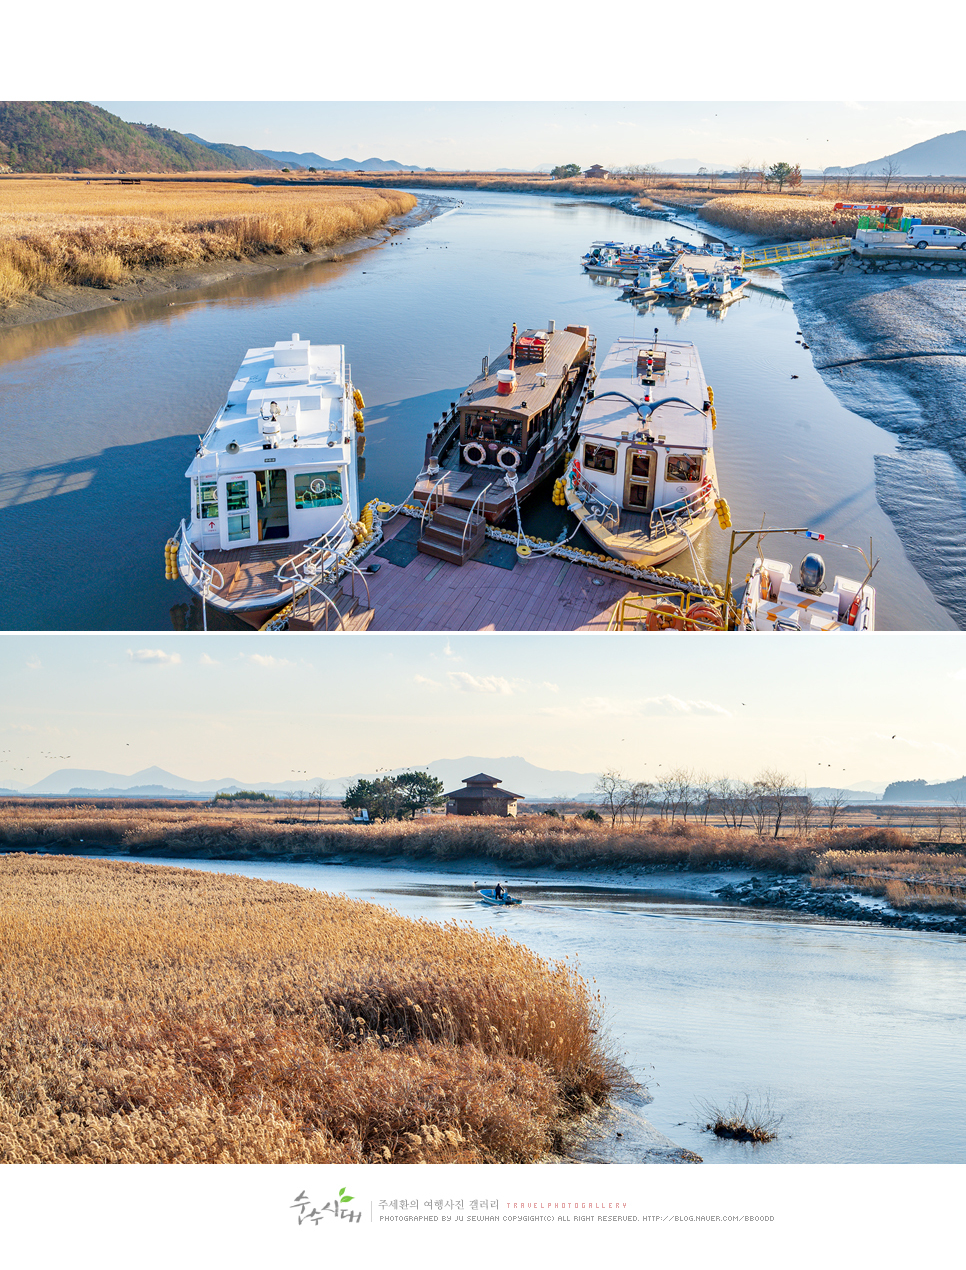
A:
[(72, 136)]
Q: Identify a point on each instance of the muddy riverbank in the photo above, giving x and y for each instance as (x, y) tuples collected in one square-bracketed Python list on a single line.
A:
[(63, 301)]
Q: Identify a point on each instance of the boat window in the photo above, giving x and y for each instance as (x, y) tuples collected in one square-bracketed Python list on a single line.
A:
[(487, 426), (206, 499), (640, 464), (318, 489), (236, 509), (683, 467), (600, 458)]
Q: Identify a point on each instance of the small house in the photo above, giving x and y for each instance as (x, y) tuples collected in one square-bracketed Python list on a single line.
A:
[(597, 173), (482, 796)]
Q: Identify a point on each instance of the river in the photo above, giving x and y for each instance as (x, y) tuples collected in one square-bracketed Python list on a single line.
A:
[(103, 408), (853, 1035)]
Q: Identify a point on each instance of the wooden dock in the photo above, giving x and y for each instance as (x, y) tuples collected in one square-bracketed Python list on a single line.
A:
[(495, 592)]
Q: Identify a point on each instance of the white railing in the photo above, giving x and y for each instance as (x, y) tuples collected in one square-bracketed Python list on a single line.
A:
[(596, 503), (683, 510), (318, 556), (478, 502), (198, 573)]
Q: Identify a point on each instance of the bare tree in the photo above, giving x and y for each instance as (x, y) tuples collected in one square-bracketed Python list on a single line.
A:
[(639, 794), (684, 790), (743, 175), (850, 177), (779, 791), (760, 176), (615, 790), (940, 821), (889, 171), (833, 805), (318, 793), (758, 807), (959, 817), (804, 813)]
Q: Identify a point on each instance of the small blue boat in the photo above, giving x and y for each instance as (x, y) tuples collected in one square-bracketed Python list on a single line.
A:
[(488, 896)]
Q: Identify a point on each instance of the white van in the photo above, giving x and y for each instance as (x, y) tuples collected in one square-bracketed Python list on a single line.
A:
[(936, 236)]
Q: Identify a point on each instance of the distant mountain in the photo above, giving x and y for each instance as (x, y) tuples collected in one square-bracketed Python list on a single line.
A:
[(944, 155), (310, 160), (154, 782), (74, 136), (922, 792), (240, 156)]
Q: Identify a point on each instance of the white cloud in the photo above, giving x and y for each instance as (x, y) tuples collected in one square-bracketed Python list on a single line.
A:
[(34, 663), (421, 679), (449, 652), (959, 675), (667, 706), (154, 657), (205, 660), (475, 683), (267, 660)]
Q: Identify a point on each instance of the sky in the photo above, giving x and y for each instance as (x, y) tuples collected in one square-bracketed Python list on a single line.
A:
[(259, 708), (487, 135)]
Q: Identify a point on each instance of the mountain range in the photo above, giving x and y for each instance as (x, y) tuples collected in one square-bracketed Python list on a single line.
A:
[(514, 773), (944, 155), (75, 136)]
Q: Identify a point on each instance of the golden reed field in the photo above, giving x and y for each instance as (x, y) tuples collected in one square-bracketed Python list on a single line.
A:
[(788, 217), (160, 1015), (55, 232)]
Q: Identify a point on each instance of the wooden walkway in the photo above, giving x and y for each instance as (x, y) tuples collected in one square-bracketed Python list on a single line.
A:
[(546, 594)]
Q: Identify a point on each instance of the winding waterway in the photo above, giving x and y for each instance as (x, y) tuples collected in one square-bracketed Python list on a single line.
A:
[(854, 1035), (102, 409)]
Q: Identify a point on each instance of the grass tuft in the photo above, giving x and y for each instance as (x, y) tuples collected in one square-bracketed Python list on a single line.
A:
[(742, 1120)]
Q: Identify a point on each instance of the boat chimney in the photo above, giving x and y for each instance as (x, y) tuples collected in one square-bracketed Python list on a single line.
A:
[(295, 337), (551, 326)]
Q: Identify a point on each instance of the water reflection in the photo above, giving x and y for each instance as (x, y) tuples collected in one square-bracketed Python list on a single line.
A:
[(112, 401)]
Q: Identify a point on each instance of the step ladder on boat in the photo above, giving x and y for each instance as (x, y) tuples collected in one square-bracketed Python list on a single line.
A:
[(449, 532)]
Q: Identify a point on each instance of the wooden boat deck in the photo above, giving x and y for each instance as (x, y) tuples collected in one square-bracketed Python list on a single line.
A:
[(545, 594), (249, 571)]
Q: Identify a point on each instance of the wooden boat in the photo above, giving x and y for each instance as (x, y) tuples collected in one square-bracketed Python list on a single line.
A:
[(642, 478), (508, 431), (488, 896), (274, 483)]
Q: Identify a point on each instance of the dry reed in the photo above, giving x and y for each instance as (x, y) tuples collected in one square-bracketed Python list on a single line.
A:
[(55, 233), (909, 880), (530, 840), (157, 1015), (788, 217)]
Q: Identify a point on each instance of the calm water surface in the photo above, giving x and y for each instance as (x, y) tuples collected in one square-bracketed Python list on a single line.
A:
[(103, 409), (855, 1035)]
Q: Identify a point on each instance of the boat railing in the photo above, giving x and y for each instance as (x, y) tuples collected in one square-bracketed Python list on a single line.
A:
[(353, 570), (683, 510), (434, 500), (328, 603), (203, 576), (317, 556), (598, 504), (478, 509)]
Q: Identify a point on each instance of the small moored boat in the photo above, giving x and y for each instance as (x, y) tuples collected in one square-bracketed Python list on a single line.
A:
[(642, 477), (772, 601)]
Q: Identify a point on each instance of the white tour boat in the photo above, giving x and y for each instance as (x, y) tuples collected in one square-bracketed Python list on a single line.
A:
[(724, 286), (275, 483), (642, 478)]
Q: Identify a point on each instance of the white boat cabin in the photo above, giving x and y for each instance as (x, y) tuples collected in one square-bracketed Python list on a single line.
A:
[(278, 461), (645, 437)]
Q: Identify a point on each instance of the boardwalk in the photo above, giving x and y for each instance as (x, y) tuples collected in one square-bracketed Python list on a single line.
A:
[(425, 594)]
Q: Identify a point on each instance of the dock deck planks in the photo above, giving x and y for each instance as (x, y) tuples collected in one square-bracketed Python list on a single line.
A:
[(536, 595)]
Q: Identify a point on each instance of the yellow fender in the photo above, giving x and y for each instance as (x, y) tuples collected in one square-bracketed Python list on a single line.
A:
[(357, 398), (360, 421)]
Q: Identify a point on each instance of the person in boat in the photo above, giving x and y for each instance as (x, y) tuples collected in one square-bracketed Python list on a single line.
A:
[(499, 893)]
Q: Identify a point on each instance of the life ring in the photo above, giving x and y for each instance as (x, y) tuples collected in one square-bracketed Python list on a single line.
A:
[(703, 616), (474, 453), (665, 616), (508, 458), (575, 474)]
